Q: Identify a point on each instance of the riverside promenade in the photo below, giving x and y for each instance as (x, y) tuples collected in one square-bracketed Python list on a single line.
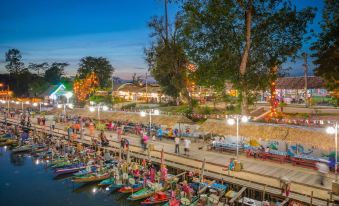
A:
[(257, 174)]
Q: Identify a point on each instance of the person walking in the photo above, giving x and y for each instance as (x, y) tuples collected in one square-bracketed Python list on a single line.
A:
[(187, 144), (177, 142), (322, 170), (53, 124)]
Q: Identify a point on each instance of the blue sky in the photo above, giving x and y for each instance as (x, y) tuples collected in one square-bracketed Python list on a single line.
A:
[(67, 30)]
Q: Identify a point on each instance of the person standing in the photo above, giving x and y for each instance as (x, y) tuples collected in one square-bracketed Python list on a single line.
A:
[(187, 144), (322, 170), (177, 142), (160, 133)]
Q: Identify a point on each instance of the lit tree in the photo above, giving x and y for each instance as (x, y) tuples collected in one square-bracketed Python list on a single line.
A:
[(83, 88)]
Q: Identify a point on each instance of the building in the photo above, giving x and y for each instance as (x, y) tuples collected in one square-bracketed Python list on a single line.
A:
[(292, 90), (56, 94), (141, 93)]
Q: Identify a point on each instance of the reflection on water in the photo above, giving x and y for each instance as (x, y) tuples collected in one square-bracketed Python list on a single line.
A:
[(26, 181)]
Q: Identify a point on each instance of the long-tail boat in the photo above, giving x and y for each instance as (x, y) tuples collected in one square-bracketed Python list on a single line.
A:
[(91, 178)]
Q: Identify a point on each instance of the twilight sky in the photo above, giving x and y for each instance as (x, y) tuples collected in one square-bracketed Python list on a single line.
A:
[(67, 30)]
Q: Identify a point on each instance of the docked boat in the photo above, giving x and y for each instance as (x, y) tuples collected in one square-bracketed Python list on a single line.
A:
[(24, 148), (146, 192), (106, 182), (130, 188), (82, 173), (69, 170), (91, 178), (157, 198), (9, 142)]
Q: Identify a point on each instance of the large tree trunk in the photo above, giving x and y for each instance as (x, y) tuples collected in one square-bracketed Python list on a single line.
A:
[(244, 59), (189, 99)]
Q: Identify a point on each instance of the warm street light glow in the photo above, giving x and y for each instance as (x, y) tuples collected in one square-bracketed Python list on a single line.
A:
[(59, 106), (230, 121), (105, 108), (244, 119), (17, 102), (71, 105), (143, 114), (330, 130), (69, 95), (156, 112), (91, 109), (45, 103), (27, 102), (35, 104)]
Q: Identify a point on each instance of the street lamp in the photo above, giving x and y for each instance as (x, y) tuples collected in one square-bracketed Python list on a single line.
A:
[(235, 120), (151, 112), (334, 130), (68, 95), (98, 108), (69, 105)]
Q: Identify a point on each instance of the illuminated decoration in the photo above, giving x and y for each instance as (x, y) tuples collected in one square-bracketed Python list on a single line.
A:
[(273, 100), (192, 68), (84, 87), (59, 88)]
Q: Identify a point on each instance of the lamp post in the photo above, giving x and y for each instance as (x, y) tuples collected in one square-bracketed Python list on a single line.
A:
[(235, 120), (334, 130), (69, 105), (68, 95), (150, 113), (98, 108)]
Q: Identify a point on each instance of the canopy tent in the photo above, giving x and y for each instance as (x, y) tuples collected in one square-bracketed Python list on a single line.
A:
[(133, 117), (314, 137)]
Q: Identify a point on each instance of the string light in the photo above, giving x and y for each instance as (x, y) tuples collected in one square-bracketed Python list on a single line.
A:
[(84, 87)]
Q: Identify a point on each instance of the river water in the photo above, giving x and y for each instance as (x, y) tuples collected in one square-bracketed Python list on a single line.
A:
[(26, 182)]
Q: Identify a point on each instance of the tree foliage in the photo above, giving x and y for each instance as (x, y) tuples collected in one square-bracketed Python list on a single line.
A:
[(54, 73), (327, 47), (168, 61), (38, 67), (14, 64), (218, 34), (100, 66)]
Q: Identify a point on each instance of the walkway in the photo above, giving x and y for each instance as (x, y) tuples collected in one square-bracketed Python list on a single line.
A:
[(304, 181)]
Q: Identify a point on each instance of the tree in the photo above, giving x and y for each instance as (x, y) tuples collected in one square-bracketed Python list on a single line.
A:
[(14, 64), (19, 75), (327, 47), (241, 40), (100, 66), (167, 60), (38, 67), (54, 73)]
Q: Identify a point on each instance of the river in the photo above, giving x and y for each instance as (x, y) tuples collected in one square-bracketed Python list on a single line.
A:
[(26, 181)]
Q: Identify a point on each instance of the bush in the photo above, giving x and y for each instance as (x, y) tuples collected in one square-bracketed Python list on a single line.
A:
[(129, 106)]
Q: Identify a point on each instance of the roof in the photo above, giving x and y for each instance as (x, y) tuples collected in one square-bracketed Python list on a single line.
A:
[(129, 87), (313, 82)]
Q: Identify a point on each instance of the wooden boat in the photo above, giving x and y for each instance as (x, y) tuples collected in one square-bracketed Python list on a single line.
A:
[(24, 148), (157, 198), (62, 164), (106, 182), (69, 170), (11, 142), (91, 178), (115, 186), (146, 192), (82, 173), (173, 202), (130, 189)]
